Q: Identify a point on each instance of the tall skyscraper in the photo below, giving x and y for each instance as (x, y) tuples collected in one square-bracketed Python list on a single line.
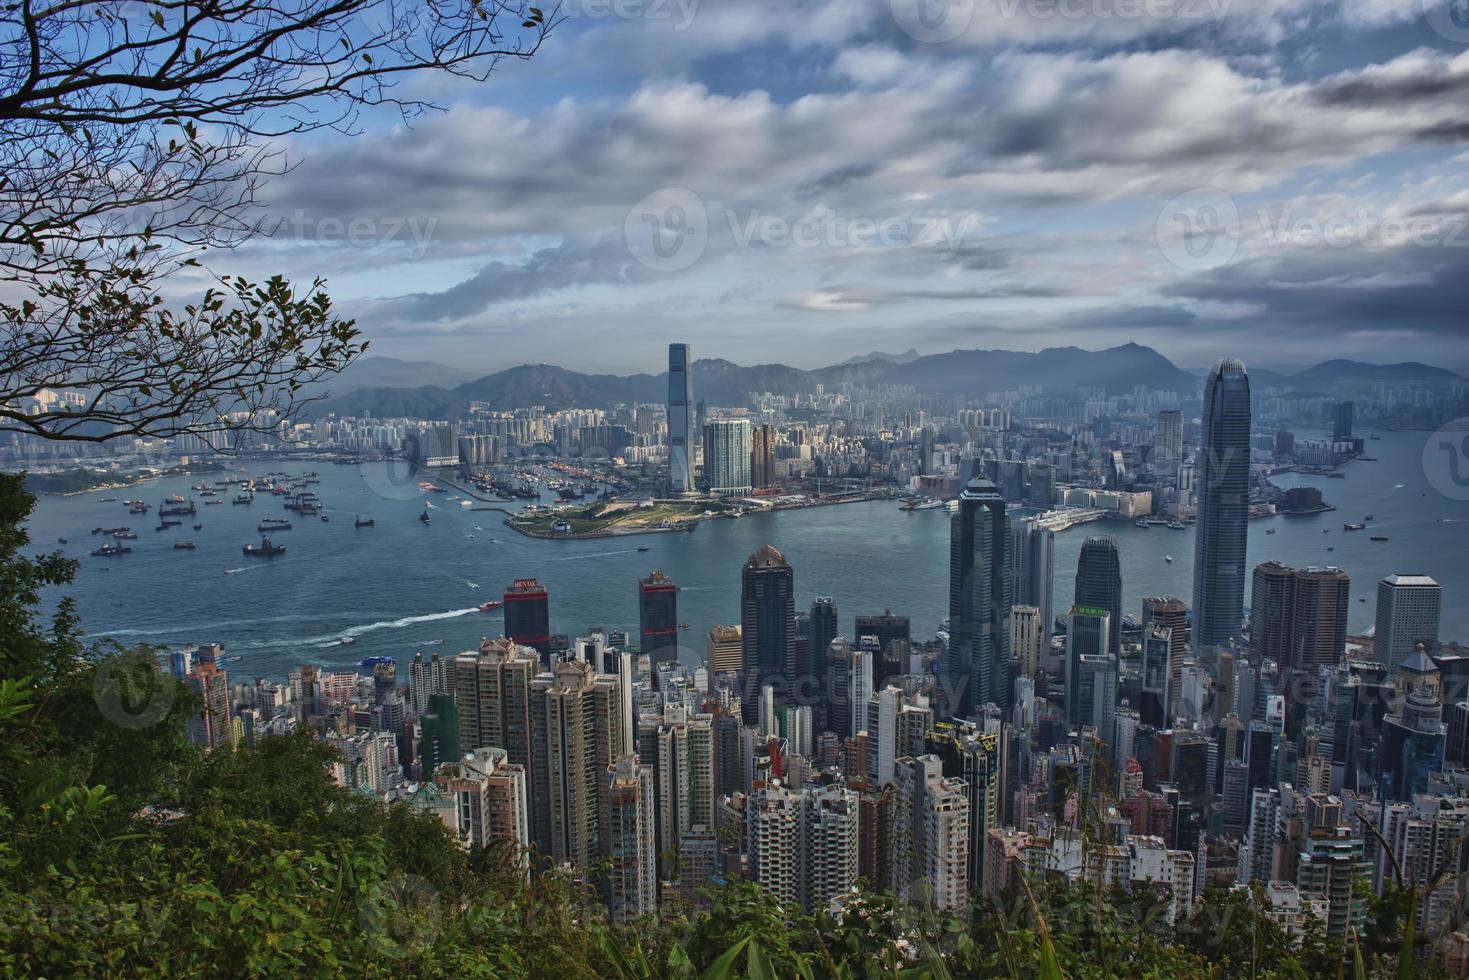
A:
[(528, 616), (728, 445), (822, 629), (930, 838), (768, 622), (1099, 583), (577, 718), (680, 419), (1025, 638), (1407, 615), (762, 455), (979, 601), (892, 632), (492, 689), (209, 726), (1031, 559), (1088, 637), (1343, 414), (1168, 440), (1222, 469), (658, 617), (1298, 618)]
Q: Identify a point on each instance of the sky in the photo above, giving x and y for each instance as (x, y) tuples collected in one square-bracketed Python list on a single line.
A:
[(805, 180)]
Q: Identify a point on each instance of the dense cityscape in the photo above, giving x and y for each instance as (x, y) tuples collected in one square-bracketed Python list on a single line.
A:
[(1233, 732)]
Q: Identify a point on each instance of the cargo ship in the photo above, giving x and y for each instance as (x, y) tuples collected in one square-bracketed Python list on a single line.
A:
[(265, 549)]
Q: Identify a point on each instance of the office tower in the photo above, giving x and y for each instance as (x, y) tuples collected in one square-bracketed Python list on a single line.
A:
[(1407, 615), (727, 456), (1168, 440), (859, 682), (631, 882), (1456, 741), (930, 838), (978, 653), (528, 616), (658, 618), (1222, 469), (439, 727), (889, 629), (1096, 695), (768, 621), (823, 627), (925, 450), (1026, 637), (724, 650), (1089, 635), (1332, 864), (1041, 489), (1342, 416), (979, 759), (680, 422), (828, 844), (1031, 558), (1099, 583), (1157, 675), (577, 717), (210, 724), (1171, 613), (679, 749), (838, 689), (491, 798), (801, 735), (1298, 616), (1412, 746), (762, 455)]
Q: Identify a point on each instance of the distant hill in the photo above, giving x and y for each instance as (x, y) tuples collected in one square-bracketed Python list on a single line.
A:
[(909, 355), (391, 372), (960, 373)]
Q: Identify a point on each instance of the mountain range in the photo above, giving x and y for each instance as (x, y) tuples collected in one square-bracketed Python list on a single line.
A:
[(422, 389)]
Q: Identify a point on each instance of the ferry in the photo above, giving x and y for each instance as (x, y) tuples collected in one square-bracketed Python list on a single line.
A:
[(265, 549), (184, 546), (1353, 527), (267, 526), (110, 549), (490, 606)]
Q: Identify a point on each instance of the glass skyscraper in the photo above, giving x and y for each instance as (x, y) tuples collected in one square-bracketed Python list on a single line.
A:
[(680, 422), (768, 621), (1222, 474), (1099, 583), (976, 668)]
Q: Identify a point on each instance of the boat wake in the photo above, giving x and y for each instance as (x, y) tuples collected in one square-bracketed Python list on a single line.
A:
[(394, 624)]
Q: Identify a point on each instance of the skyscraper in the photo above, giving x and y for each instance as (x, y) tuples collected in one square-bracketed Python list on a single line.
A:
[(1168, 440), (1343, 414), (1298, 618), (1099, 583), (658, 617), (768, 622), (631, 883), (680, 420), (1222, 469), (762, 455), (577, 718), (728, 445), (979, 600), (1407, 615), (528, 617), (1088, 636), (823, 629)]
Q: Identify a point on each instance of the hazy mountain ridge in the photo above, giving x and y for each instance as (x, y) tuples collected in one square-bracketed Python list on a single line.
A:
[(970, 373)]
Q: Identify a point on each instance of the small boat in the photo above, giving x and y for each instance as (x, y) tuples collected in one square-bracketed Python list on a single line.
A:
[(1360, 598), (325, 518), (361, 523), (128, 535), (490, 606), (1142, 524), (1326, 530), (1330, 549), (109, 549), (213, 503), (424, 516), (1367, 518), (642, 547), (1168, 559), (184, 546), (1379, 537), (684, 626), (108, 500), (1270, 530), (1353, 527), (61, 540), (347, 640), (198, 527), (243, 498)]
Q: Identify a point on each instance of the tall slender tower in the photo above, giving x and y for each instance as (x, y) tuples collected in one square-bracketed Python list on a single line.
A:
[(977, 660), (768, 621), (680, 421), (1099, 583), (1222, 471)]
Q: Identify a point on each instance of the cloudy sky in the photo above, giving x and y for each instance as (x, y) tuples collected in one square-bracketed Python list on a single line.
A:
[(805, 180)]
